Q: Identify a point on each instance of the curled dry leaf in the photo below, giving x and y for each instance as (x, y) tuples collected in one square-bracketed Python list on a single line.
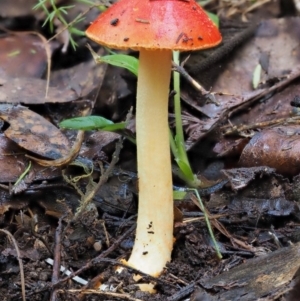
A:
[(230, 147), (34, 133), (241, 177), (277, 147)]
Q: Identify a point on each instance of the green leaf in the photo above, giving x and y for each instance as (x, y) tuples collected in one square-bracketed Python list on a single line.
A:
[(185, 169), (181, 151), (65, 9), (40, 4), (115, 127), (214, 18), (51, 16), (121, 60), (89, 123), (179, 195), (204, 2), (76, 31)]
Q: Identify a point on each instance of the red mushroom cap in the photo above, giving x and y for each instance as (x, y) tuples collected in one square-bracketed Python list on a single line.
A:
[(155, 24)]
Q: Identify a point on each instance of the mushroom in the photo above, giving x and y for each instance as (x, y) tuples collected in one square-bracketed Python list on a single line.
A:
[(154, 28)]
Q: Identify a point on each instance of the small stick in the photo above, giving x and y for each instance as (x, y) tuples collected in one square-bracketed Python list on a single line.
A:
[(57, 257), (193, 82), (99, 257), (185, 291), (57, 252), (12, 239)]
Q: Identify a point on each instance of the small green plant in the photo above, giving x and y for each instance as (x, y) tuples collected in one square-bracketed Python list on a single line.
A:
[(59, 12), (177, 141)]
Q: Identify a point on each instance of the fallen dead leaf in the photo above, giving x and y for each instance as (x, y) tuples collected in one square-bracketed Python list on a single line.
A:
[(22, 55), (277, 147), (241, 177), (31, 91), (16, 8), (34, 133), (14, 162)]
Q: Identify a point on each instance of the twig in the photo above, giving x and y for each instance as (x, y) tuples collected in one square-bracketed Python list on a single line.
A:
[(102, 293), (57, 251), (185, 291), (230, 129), (11, 238), (98, 258), (57, 256), (74, 21), (103, 179), (192, 81)]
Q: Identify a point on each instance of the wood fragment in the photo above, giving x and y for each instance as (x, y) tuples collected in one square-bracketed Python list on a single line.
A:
[(257, 277)]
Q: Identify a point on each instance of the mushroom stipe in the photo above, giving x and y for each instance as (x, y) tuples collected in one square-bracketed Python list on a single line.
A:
[(154, 28)]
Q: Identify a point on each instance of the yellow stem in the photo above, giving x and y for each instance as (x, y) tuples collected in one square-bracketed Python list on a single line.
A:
[(154, 236)]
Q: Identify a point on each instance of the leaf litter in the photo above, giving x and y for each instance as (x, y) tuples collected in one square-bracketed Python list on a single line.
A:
[(252, 135)]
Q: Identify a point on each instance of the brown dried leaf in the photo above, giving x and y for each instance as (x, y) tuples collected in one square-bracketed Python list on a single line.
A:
[(31, 91), (230, 147), (98, 142), (19, 8), (277, 147), (270, 37), (22, 55), (6, 202), (34, 133), (83, 78), (16, 8), (241, 177), (14, 162)]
